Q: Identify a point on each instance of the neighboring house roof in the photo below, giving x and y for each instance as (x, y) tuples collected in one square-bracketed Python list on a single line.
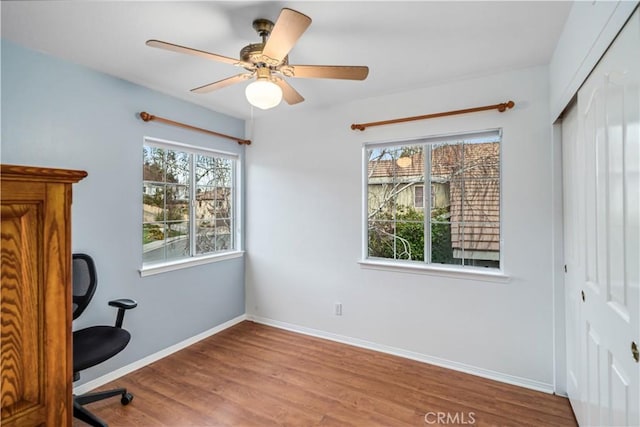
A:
[(474, 191), (390, 168), (220, 193)]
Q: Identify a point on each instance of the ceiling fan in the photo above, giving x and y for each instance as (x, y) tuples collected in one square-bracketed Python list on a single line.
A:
[(268, 62)]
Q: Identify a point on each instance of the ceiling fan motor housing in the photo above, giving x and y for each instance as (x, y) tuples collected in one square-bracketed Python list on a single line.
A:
[(253, 53)]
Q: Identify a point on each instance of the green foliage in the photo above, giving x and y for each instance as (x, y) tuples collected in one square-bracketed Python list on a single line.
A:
[(155, 200), (441, 249), (151, 233), (406, 241)]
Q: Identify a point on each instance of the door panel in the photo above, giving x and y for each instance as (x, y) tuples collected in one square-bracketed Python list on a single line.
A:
[(602, 188), (594, 377), (572, 165), (619, 383)]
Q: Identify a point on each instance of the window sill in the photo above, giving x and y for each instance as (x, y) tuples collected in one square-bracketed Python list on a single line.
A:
[(150, 270), (469, 273)]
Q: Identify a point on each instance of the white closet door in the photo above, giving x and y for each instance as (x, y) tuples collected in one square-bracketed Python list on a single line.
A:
[(607, 214), (573, 170)]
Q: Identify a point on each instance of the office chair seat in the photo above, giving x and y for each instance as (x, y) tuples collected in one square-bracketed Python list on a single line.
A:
[(96, 344)]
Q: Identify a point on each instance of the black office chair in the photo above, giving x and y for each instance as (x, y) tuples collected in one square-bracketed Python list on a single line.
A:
[(95, 344)]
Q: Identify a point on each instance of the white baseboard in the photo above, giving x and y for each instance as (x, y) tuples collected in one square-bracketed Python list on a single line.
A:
[(95, 383), (457, 366)]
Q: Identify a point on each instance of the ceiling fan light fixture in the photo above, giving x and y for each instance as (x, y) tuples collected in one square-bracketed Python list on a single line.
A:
[(263, 93)]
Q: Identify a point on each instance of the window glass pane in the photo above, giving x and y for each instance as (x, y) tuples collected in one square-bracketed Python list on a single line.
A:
[(214, 204), (153, 243), (395, 190), (153, 164), (457, 242), (177, 239), (205, 236), (381, 239), (481, 200), (223, 177), (481, 204), (223, 202), (482, 160), (446, 164), (205, 170), (446, 161), (481, 244), (213, 236), (177, 202), (224, 239), (177, 167), (410, 238), (205, 203), (210, 169), (223, 242), (153, 206), (441, 245), (397, 239), (382, 202)]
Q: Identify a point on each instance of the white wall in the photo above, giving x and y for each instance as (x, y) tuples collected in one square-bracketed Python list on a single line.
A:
[(304, 232)]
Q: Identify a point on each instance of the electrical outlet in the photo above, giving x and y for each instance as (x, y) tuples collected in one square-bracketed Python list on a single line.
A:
[(338, 308)]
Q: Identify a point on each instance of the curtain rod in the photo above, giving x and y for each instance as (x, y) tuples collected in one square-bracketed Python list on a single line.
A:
[(500, 107), (150, 117)]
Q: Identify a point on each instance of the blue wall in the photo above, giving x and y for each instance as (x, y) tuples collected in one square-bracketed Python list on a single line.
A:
[(58, 114)]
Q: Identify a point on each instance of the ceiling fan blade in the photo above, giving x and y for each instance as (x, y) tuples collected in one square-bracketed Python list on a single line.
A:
[(346, 72), (286, 32), (201, 53), (290, 95), (222, 83)]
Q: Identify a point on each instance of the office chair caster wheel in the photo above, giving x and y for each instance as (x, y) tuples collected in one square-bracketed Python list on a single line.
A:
[(126, 398)]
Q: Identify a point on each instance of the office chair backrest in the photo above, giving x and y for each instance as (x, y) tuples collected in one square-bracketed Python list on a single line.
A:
[(84, 282)]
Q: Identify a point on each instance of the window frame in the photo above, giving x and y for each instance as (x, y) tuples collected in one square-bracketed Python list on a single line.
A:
[(490, 274), (236, 209)]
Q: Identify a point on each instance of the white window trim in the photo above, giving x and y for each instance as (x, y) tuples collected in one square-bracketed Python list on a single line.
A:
[(423, 267), (451, 271), (162, 267)]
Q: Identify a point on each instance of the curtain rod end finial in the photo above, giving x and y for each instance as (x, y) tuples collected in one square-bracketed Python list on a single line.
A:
[(505, 105), (146, 116)]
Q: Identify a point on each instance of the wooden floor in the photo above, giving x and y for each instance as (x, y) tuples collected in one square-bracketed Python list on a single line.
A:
[(255, 375)]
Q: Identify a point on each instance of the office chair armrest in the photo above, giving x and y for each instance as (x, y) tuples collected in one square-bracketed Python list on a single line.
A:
[(125, 303), (122, 304)]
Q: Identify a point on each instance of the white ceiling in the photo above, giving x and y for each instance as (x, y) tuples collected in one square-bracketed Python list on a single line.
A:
[(405, 44)]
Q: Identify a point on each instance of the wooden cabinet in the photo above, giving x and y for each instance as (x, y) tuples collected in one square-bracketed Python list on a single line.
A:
[(36, 295)]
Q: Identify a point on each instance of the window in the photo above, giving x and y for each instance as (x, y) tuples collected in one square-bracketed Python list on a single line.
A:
[(418, 197), (188, 202), (461, 224)]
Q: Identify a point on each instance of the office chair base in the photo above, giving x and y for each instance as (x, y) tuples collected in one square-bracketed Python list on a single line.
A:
[(83, 414)]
